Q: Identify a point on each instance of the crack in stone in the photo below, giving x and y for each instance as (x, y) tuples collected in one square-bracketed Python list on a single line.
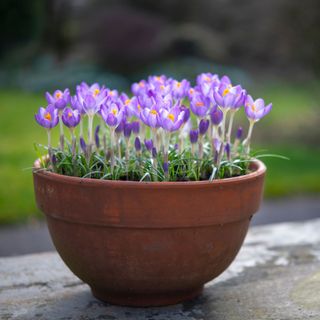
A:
[(25, 286)]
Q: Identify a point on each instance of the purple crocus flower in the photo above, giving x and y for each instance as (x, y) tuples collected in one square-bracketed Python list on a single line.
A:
[(90, 98), (137, 144), (256, 109), (139, 88), (131, 106), (150, 116), (194, 134), (216, 116), (179, 89), (171, 120), (47, 117), (148, 144), (71, 118), (208, 78), (76, 105), (199, 105), (207, 82), (59, 99), (227, 96), (203, 126), (112, 114)]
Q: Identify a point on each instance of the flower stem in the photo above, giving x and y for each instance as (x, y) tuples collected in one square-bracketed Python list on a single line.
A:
[(73, 150), (247, 141), (127, 157), (232, 114), (81, 127), (49, 147), (112, 149), (61, 132), (90, 134)]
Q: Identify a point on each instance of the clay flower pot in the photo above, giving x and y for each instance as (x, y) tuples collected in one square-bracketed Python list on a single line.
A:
[(148, 243)]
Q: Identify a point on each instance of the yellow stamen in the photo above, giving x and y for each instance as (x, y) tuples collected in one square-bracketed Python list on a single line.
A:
[(110, 93), (253, 108), (96, 92), (127, 102), (178, 84), (199, 104), (69, 114), (225, 91), (154, 112), (114, 111), (58, 95), (139, 107), (171, 117), (207, 79), (48, 116), (162, 87)]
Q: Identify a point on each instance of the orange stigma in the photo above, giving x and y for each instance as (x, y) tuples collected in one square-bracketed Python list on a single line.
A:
[(58, 95), (127, 102), (199, 104), (48, 116)]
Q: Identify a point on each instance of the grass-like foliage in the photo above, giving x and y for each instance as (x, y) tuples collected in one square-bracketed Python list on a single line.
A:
[(143, 165)]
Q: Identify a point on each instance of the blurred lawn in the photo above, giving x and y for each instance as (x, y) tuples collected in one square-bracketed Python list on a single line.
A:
[(18, 132)]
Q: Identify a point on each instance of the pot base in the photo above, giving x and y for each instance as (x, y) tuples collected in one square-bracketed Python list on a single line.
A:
[(146, 300)]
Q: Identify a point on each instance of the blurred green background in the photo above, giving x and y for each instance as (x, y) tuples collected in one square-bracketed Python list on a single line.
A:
[(56, 44)]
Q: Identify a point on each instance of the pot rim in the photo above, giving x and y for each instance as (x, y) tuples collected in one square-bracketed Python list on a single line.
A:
[(258, 166)]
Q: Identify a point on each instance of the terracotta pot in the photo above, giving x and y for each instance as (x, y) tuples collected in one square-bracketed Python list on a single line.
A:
[(148, 243)]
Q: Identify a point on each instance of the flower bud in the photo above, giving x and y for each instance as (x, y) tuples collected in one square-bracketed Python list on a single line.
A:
[(119, 128), (166, 167), (135, 126), (194, 134), (137, 144), (227, 150), (127, 129), (148, 144), (154, 152), (203, 126), (96, 136), (83, 145), (216, 116), (239, 133), (186, 115)]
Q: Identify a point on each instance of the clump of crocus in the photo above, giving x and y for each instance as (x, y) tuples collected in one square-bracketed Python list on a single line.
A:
[(170, 116)]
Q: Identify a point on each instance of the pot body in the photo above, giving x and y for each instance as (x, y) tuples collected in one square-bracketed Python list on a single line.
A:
[(148, 243)]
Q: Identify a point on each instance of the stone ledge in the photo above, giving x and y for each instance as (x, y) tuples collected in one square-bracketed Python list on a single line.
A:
[(275, 276)]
